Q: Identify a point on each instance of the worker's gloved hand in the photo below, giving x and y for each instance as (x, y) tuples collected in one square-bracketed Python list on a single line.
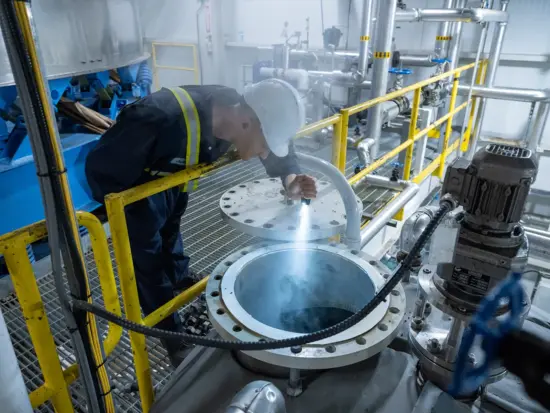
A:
[(301, 186)]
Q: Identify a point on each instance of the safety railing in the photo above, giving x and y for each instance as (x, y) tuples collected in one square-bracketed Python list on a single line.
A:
[(13, 247), (115, 204), (156, 66)]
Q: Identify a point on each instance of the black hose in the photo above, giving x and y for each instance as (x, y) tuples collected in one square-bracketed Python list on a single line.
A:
[(99, 311)]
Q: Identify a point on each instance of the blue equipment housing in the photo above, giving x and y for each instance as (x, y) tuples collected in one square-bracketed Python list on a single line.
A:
[(21, 197)]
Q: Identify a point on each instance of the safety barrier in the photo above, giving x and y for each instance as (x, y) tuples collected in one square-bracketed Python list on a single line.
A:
[(156, 66), (13, 247)]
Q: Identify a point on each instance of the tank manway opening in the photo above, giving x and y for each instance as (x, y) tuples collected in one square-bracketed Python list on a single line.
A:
[(302, 290), (279, 291)]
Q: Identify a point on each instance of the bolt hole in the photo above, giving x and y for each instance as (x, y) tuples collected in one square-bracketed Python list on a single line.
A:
[(272, 179), (395, 293), (315, 226), (227, 206), (256, 182), (236, 329), (242, 186), (220, 311), (372, 262), (215, 293), (227, 198), (218, 277), (330, 349), (383, 327), (244, 252), (248, 221), (361, 341), (232, 192), (234, 214), (324, 183), (268, 225), (354, 252), (262, 340), (386, 276), (228, 263), (334, 223), (394, 310), (292, 228)]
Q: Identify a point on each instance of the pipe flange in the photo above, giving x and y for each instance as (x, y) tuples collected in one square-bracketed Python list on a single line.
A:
[(246, 292), (259, 208)]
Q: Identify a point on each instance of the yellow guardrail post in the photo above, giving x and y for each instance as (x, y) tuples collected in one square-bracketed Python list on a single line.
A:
[(32, 308), (336, 132), (156, 66), (448, 129), (344, 125), (121, 244), (14, 245)]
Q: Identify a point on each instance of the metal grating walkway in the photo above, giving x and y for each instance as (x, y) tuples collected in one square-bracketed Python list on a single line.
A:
[(207, 240)]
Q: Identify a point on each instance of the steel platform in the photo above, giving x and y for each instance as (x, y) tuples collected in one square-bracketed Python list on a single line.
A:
[(207, 240)]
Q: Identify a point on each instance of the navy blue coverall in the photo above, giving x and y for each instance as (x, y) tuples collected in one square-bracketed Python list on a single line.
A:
[(149, 140)]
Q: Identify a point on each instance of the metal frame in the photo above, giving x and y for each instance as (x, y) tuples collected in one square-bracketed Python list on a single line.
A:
[(13, 247), (194, 69)]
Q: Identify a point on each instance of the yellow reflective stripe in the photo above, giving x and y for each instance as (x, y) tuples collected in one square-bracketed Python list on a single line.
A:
[(193, 126)]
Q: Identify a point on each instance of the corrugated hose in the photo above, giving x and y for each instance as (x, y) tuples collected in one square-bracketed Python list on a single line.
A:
[(445, 207)]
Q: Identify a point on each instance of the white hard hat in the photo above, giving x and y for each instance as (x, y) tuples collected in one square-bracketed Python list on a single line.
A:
[(280, 110)]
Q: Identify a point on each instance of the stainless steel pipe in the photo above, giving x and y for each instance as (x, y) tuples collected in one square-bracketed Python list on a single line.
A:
[(421, 60), (468, 15), (507, 93), (389, 211), (456, 37), (494, 61), (353, 209), (366, 24), (443, 33), (382, 53)]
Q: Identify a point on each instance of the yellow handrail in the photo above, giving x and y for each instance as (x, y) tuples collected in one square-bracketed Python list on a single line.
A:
[(13, 247), (194, 69)]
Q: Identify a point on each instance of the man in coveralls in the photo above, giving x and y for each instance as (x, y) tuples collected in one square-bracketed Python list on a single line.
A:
[(174, 128)]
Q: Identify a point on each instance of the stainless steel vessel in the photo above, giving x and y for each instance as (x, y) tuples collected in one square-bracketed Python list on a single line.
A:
[(83, 36)]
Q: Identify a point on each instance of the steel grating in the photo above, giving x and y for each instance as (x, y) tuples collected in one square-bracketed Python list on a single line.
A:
[(207, 240)]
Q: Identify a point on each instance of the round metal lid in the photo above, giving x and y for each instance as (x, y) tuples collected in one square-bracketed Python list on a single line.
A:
[(259, 208)]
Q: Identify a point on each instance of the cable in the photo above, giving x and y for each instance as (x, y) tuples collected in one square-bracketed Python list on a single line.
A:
[(99, 311)]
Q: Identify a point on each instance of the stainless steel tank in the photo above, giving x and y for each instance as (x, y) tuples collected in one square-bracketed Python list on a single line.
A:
[(83, 36)]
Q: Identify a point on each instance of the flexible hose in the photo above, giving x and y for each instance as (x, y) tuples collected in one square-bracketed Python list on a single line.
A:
[(99, 311)]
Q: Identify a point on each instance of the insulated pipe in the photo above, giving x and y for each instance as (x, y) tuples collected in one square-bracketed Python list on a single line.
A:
[(443, 33), (382, 182), (300, 76), (421, 60), (494, 60), (506, 93), (468, 15), (13, 393), (382, 54), (366, 23), (389, 211), (352, 207)]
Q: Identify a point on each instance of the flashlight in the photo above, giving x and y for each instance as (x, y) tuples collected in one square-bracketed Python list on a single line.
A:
[(306, 201)]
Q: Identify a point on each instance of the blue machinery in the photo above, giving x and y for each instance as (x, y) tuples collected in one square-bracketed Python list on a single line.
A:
[(21, 199)]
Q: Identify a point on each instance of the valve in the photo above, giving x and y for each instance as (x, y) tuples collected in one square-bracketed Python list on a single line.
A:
[(400, 71), (395, 171)]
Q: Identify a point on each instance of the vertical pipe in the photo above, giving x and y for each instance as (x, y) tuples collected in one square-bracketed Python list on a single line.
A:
[(476, 78), (382, 59), (456, 37), (448, 129), (443, 34), (494, 60), (13, 393), (366, 24), (286, 56)]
